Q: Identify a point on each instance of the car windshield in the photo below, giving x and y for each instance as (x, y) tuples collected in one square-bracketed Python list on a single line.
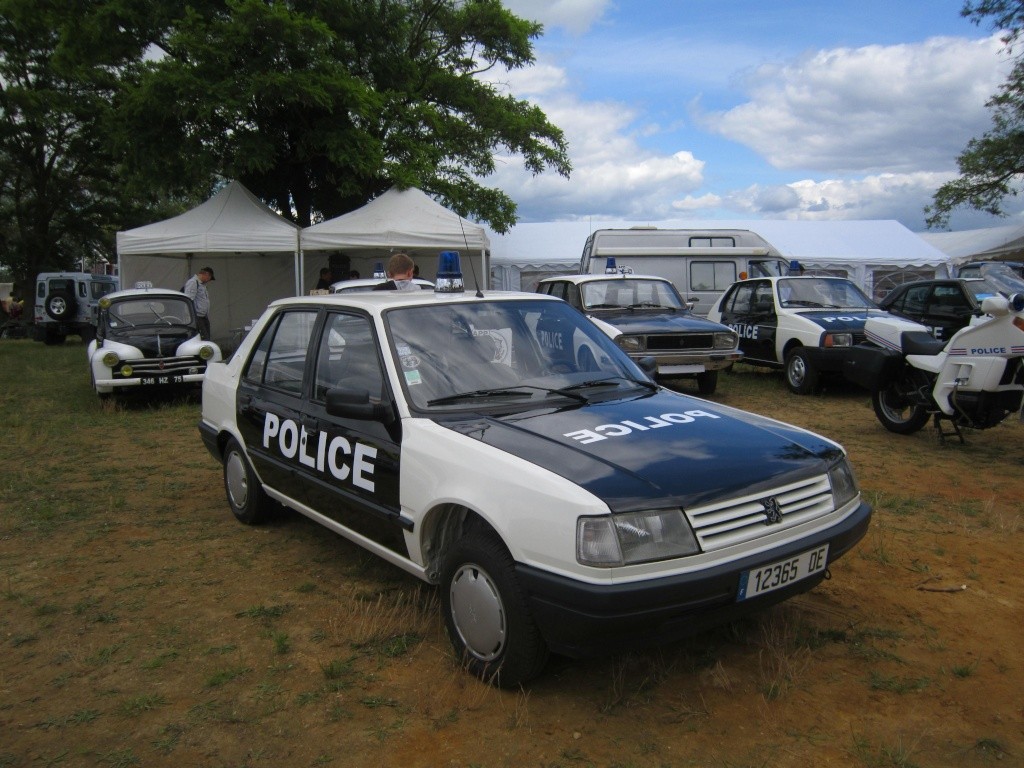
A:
[(149, 311), (630, 294), (822, 293), (505, 352)]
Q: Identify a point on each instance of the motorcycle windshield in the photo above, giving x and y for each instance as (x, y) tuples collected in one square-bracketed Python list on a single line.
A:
[(1004, 279)]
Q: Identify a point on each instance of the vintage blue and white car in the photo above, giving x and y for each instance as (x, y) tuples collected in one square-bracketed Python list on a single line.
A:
[(559, 508), (147, 338)]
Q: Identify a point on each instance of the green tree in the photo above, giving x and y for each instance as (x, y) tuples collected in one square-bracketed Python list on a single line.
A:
[(60, 194), (319, 105), (990, 166)]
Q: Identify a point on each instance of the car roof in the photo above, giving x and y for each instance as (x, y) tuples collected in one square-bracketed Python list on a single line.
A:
[(368, 283), (154, 292), (377, 301), (590, 278)]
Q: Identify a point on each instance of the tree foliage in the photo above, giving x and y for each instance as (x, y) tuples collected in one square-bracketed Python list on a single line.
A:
[(320, 105), (991, 166)]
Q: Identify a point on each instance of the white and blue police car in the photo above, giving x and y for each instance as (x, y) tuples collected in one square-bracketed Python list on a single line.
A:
[(804, 325), (559, 510)]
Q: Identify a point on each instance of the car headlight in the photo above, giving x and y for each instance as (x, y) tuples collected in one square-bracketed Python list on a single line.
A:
[(126, 370), (634, 537), (844, 484), (725, 340), (110, 359), (838, 339), (631, 343), (205, 352)]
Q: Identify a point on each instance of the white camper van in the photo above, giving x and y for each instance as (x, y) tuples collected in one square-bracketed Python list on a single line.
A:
[(701, 262)]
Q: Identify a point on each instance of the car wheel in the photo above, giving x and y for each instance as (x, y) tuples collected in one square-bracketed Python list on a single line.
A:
[(486, 614), (897, 414), (60, 305), (707, 382), (246, 497), (52, 338), (801, 375)]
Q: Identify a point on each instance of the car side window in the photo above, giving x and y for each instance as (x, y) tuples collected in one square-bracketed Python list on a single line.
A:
[(280, 357), (947, 299), (915, 300), (743, 299), (348, 357)]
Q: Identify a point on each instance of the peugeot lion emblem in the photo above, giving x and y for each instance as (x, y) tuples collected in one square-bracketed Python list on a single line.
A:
[(772, 510)]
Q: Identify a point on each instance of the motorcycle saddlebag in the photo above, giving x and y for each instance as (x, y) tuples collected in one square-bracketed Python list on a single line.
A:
[(871, 367)]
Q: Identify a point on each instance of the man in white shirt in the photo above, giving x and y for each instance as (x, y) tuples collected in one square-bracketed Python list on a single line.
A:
[(195, 289)]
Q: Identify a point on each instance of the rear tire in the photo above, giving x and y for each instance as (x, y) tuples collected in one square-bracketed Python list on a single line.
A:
[(248, 502), (896, 413), (801, 373), (486, 614)]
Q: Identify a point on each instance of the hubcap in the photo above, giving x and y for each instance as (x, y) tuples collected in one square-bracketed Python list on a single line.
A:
[(236, 479), (797, 370), (477, 612), (57, 306)]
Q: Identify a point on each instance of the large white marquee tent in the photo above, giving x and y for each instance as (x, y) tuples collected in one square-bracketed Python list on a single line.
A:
[(871, 253)]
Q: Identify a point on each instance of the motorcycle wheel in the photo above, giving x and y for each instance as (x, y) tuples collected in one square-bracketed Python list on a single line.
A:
[(896, 413)]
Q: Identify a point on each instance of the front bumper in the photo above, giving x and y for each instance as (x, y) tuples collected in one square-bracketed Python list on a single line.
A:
[(683, 365), (579, 619), (829, 358), (167, 379)]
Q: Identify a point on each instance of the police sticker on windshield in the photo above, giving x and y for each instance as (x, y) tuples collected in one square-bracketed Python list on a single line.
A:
[(413, 377)]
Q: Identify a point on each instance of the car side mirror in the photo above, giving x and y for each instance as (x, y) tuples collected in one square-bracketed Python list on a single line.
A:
[(355, 404), (648, 365)]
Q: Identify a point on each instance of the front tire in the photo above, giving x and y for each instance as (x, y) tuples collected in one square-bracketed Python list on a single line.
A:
[(896, 413), (801, 373), (248, 502), (486, 615), (707, 383)]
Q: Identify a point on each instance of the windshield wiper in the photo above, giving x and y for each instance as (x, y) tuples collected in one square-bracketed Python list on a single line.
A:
[(479, 393), (606, 382)]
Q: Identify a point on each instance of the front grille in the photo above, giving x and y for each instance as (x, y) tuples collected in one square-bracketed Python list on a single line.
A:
[(743, 519), (162, 366), (672, 342)]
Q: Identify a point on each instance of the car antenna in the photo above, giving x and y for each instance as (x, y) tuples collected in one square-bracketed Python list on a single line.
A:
[(476, 282)]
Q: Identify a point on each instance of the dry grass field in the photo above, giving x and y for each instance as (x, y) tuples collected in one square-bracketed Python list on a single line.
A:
[(140, 625)]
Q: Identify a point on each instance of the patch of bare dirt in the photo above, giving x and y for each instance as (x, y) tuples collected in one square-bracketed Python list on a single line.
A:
[(141, 625)]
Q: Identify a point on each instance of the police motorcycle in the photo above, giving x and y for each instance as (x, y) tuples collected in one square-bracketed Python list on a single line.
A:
[(973, 380)]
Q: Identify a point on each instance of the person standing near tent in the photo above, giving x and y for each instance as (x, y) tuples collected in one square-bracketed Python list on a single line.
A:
[(195, 289), (326, 279), (400, 270)]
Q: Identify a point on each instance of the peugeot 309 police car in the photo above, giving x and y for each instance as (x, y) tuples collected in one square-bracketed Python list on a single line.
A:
[(805, 325), (147, 338), (558, 509), (646, 316)]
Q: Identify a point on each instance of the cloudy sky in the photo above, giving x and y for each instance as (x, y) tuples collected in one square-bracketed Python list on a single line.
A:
[(741, 109)]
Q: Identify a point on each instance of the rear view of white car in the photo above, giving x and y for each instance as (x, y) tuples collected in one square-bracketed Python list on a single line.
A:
[(147, 338)]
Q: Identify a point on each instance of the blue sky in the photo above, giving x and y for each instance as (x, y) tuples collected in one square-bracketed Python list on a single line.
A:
[(708, 109)]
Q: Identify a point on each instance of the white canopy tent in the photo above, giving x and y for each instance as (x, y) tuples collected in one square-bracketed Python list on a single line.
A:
[(253, 251), (871, 253), (990, 243), (402, 220)]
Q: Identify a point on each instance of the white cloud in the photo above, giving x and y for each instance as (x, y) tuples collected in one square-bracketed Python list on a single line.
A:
[(612, 175), (575, 16), (878, 108)]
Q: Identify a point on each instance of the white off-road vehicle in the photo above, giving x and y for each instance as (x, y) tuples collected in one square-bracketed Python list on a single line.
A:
[(66, 304)]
